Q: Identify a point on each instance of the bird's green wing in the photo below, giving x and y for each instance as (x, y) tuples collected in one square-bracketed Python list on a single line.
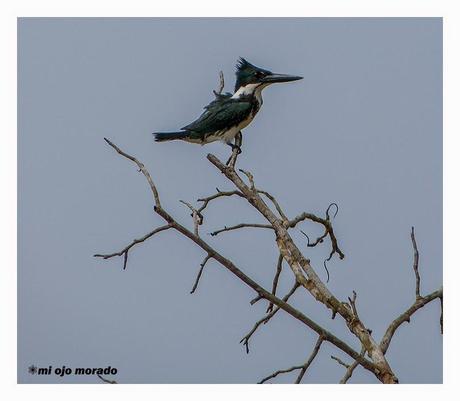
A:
[(220, 114)]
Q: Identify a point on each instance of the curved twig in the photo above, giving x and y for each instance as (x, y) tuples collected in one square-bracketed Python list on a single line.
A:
[(405, 317), (142, 169), (200, 272), (319, 240), (336, 210), (275, 203), (327, 270), (219, 194)]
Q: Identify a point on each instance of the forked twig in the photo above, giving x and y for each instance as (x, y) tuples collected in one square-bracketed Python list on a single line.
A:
[(265, 319), (124, 251), (303, 368)]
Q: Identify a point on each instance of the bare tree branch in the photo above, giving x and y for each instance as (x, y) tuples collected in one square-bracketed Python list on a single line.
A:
[(265, 319), (242, 225), (406, 315), (200, 272), (303, 368), (441, 317), (310, 360), (279, 267), (304, 273), (350, 368), (248, 281), (352, 301), (275, 203), (327, 226), (196, 216), (312, 282), (419, 302), (250, 178), (219, 194), (125, 250), (349, 372), (318, 240), (415, 265), (339, 361), (142, 169), (256, 299)]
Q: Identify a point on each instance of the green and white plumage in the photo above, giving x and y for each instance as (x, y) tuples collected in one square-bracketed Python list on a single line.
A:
[(228, 114)]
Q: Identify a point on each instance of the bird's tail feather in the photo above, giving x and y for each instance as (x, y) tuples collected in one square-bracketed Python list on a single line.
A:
[(170, 136)]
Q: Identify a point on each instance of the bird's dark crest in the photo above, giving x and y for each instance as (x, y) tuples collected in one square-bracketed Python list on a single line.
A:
[(243, 64), (245, 72)]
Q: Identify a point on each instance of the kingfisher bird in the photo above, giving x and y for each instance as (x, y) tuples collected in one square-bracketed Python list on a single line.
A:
[(225, 117)]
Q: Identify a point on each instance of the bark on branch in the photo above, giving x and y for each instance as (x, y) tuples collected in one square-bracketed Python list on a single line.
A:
[(300, 265), (304, 274)]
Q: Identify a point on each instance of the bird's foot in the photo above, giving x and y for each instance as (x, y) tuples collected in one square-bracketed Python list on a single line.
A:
[(237, 147), (236, 150), (232, 159)]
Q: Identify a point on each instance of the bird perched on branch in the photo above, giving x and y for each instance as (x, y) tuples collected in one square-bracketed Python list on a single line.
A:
[(225, 117)]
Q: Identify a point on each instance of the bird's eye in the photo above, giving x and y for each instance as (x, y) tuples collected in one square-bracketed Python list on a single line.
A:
[(259, 74)]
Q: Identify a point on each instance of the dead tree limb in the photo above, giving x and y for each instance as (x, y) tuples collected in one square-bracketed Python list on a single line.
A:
[(242, 225), (303, 368), (304, 274), (265, 319), (279, 267), (200, 272), (349, 367), (124, 251), (219, 194), (328, 336), (420, 302), (406, 315), (415, 265), (311, 282)]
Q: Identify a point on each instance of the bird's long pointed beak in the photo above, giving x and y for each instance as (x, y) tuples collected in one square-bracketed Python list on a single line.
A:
[(276, 78)]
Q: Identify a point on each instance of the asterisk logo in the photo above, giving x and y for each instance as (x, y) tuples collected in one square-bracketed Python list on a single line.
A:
[(33, 369)]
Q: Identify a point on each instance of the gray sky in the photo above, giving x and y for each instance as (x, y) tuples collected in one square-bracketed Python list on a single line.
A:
[(363, 129)]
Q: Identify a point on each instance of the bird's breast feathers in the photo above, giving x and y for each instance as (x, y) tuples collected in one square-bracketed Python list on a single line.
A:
[(226, 116), (227, 135)]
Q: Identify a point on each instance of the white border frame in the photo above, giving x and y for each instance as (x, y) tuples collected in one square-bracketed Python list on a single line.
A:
[(208, 8)]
